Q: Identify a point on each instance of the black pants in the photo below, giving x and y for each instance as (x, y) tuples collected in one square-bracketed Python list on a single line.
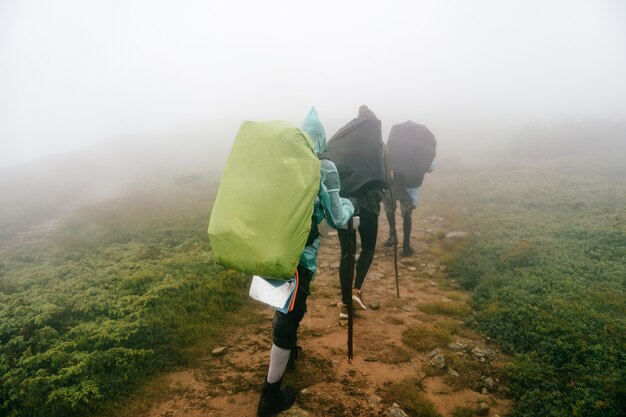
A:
[(285, 326), (368, 231)]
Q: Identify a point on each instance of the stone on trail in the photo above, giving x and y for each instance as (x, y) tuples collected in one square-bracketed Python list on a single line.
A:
[(374, 401), (219, 351), (456, 346), (439, 360), (434, 352), (482, 409), (396, 411), (374, 306)]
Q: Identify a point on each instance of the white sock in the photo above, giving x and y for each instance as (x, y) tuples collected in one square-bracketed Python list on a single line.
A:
[(278, 362)]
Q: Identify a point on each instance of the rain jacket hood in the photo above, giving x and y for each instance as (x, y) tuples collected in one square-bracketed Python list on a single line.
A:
[(313, 127), (366, 113)]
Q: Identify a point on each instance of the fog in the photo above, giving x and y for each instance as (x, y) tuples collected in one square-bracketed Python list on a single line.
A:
[(176, 78)]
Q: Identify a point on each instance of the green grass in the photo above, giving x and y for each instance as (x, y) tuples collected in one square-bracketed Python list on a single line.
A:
[(449, 308), (548, 273), (115, 295), (408, 394), (425, 337)]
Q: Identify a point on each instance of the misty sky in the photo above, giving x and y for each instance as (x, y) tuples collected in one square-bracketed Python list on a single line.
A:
[(77, 72)]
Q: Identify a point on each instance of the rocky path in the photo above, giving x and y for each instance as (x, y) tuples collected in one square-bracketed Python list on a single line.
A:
[(412, 350)]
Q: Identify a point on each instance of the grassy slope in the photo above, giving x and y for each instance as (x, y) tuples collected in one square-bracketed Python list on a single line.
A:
[(548, 271), (116, 294), (124, 287)]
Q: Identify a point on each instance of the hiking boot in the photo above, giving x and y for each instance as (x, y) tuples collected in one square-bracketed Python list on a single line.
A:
[(390, 241), (343, 312), (357, 299), (274, 400), (407, 251)]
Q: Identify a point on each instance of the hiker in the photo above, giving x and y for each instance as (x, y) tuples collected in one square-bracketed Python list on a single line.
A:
[(411, 148), (337, 212), (358, 151)]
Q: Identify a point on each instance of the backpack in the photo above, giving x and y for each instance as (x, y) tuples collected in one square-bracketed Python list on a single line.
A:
[(412, 149), (261, 218), (357, 150)]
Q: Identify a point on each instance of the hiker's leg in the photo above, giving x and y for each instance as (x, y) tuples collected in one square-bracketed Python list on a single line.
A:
[(407, 213), (285, 327), (368, 230), (391, 218), (344, 264)]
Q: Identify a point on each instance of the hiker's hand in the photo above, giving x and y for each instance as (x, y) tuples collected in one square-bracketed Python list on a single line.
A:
[(355, 222)]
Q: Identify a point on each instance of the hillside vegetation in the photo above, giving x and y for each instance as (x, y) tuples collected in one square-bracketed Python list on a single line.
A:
[(546, 261), (123, 288), (113, 296)]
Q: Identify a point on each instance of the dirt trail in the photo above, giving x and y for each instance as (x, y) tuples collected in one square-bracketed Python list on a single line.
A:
[(228, 385)]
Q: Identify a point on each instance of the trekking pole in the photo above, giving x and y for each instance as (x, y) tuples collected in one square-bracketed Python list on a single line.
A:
[(395, 242), (351, 253)]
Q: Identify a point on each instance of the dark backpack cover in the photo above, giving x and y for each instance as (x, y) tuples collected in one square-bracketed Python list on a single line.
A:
[(412, 149), (357, 151)]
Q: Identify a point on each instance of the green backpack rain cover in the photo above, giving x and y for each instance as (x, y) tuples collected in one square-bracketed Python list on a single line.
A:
[(262, 213)]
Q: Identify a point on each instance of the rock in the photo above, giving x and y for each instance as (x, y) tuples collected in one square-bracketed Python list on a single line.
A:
[(294, 411), (482, 409), (482, 354), (412, 268), (219, 351), (396, 411), (370, 359), (439, 360), (408, 308), (443, 268), (453, 373), (456, 346), (456, 235), (374, 306), (374, 401), (489, 382), (434, 352)]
